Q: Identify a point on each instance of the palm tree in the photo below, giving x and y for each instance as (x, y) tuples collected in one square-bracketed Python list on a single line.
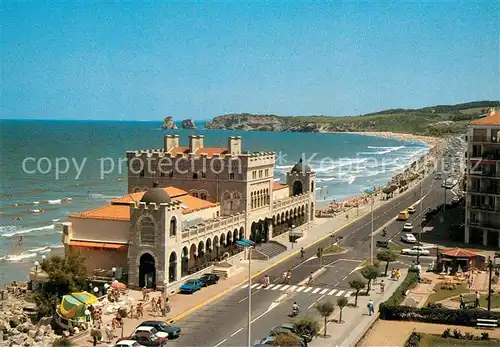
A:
[(370, 273), (357, 284), (341, 302), (325, 310), (388, 256)]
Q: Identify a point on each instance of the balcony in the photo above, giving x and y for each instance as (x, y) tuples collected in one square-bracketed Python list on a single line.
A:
[(484, 224), (483, 207), (483, 139), (493, 154)]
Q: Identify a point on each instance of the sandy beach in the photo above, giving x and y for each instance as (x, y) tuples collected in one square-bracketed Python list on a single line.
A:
[(428, 140)]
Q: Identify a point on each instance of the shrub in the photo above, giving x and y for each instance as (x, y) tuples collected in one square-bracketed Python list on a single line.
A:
[(285, 339), (62, 342), (446, 333), (469, 336), (122, 312), (307, 327), (457, 334), (485, 336), (413, 340), (434, 305), (409, 282)]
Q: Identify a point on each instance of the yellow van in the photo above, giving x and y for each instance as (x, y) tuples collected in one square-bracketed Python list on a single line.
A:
[(403, 215)]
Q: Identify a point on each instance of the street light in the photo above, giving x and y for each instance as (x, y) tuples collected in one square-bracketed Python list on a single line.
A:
[(247, 244), (36, 269), (421, 226), (371, 192), (165, 282), (114, 272), (96, 290)]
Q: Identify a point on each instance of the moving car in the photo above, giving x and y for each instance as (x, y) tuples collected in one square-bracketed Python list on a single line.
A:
[(408, 238), (403, 215), (128, 343), (208, 279), (408, 227), (144, 338), (151, 330), (411, 209), (289, 329), (172, 331), (415, 250), (191, 286)]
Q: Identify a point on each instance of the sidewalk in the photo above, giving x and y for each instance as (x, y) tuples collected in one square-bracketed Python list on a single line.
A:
[(356, 321)]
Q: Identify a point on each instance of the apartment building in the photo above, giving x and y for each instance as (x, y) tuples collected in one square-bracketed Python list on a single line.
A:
[(482, 225)]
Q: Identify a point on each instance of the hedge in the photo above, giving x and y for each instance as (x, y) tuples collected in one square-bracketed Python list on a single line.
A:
[(390, 309)]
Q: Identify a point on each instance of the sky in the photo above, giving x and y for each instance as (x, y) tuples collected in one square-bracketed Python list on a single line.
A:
[(140, 60)]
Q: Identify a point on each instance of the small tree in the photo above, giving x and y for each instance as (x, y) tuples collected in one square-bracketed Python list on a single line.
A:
[(285, 339), (357, 284), (369, 272), (341, 302), (307, 327), (387, 256), (325, 310)]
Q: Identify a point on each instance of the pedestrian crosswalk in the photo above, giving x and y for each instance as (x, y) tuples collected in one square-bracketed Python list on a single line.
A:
[(301, 289)]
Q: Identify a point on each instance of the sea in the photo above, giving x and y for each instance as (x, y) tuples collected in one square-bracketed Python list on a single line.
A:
[(50, 169)]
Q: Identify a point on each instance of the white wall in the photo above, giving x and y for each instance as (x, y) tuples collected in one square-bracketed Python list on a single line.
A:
[(99, 230)]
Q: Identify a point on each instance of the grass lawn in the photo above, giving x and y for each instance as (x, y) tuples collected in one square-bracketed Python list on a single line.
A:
[(442, 294), (483, 300), (333, 249), (428, 340), (395, 247)]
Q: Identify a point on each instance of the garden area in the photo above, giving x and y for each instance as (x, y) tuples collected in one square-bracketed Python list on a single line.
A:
[(451, 338)]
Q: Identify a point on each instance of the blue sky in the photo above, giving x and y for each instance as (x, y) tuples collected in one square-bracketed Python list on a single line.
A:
[(137, 60)]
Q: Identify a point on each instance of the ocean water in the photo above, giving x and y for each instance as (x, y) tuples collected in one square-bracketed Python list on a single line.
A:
[(35, 199)]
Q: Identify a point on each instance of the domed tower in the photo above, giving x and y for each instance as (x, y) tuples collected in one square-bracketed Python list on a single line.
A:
[(302, 180), (154, 221)]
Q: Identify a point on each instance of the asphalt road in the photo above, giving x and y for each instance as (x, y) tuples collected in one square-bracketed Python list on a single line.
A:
[(223, 322)]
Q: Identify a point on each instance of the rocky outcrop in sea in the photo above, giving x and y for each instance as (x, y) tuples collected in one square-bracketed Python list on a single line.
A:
[(168, 123), (188, 124), (17, 329)]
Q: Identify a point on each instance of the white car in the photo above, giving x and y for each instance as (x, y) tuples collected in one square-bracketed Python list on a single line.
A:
[(151, 330), (408, 227), (128, 343), (411, 209), (415, 250), (409, 238)]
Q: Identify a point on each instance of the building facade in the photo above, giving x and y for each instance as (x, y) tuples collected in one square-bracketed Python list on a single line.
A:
[(483, 182), (186, 208)]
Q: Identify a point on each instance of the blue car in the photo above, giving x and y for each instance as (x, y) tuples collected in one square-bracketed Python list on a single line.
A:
[(191, 286)]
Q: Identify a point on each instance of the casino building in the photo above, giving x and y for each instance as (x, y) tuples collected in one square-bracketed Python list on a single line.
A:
[(186, 207)]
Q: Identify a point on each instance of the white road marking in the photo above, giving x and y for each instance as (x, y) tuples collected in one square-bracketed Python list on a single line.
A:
[(324, 291), (314, 303), (316, 290), (348, 294), (277, 287), (285, 287), (340, 293), (333, 291), (237, 331), (246, 285), (269, 286), (308, 289), (259, 286), (255, 285), (220, 343), (292, 288), (299, 289)]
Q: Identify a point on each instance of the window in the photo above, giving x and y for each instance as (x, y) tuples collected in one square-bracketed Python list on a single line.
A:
[(217, 213), (162, 174), (203, 196), (173, 226), (171, 174), (195, 194), (147, 232), (231, 175), (142, 173), (267, 172), (195, 175), (260, 173), (254, 174), (203, 174)]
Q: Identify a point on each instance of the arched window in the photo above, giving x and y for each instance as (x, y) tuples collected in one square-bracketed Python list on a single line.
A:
[(312, 187), (147, 232), (203, 196), (173, 227), (195, 175)]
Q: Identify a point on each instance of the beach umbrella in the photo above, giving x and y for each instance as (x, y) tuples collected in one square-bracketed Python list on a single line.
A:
[(118, 285)]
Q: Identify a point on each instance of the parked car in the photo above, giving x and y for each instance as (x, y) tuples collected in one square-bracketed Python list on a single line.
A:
[(151, 330), (408, 238), (408, 227), (415, 250), (146, 339), (191, 286), (172, 331), (288, 328), (411, 209), (208, 279), (382, 244), (128, 343)]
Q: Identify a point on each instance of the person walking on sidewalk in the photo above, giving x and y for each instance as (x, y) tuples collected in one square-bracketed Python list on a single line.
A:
[(462, 303), (371, 307), (476, 302), (310, 281), (382, 286), (302, 253)]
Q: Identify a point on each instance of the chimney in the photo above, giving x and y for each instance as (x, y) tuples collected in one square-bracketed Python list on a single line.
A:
[(195, 142), (234, 145), (170, 141)]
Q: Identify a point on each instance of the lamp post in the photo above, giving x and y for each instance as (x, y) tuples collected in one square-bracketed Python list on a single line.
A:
[(371, 192), (165, 282), (114, 272), (247, 244), (421, 226), (87, 317)]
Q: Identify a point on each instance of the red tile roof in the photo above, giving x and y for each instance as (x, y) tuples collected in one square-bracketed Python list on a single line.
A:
[(209, 151), (278, 186), (87, 244), (492, 119), (173, 192)]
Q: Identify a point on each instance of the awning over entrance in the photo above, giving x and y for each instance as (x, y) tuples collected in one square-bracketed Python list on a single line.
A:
[(458, 253), (88, 244)]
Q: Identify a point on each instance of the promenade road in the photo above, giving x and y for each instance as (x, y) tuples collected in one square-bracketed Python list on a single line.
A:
[(224, 321)]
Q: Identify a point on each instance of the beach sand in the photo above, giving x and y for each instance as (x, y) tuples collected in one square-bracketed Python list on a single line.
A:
[(428, 140)]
